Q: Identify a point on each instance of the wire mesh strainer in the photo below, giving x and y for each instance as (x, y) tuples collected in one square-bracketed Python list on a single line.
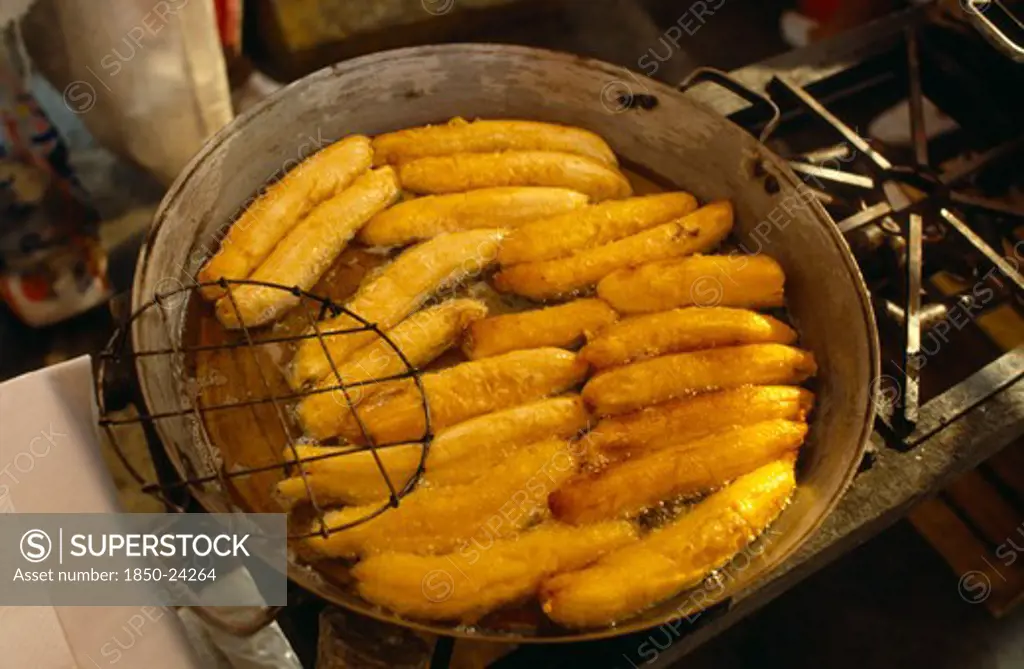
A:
[(178, 417)]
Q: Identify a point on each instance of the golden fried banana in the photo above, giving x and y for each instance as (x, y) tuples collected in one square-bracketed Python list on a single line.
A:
[(349, 476), (631, 387), (464, 391), (459, 454), (565, 234), (681, 330), (469, 171), (469, 583), (627, 488), (691, 418), (438, 520), (308, 250), (397, 291), (280, 207), (700, 231), (421, 337), (461, 136), (703, 281), (425, 217), (564, 325), (673, 558), (470, 450)]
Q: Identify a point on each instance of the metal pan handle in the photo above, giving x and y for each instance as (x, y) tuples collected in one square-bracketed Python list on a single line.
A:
[(977, 12), (260, 618), (711, 75)]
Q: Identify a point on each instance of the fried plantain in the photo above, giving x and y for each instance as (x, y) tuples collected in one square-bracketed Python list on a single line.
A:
[(421, 337), (703, 281), (466, 390), (487, 136), (635, 386), (397, 291), (629, 487), (281, 206), (681, 330), (697, 232), (691, 418), (564, 325), (471, 582), (673, 558), (469, 171), (437, 520), (348, 476), (308, 250), (426, 217), (459, 454), (469, 450), (598, 224)]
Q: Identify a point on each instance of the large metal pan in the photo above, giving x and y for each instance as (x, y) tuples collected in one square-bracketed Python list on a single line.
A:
[(678, 139)]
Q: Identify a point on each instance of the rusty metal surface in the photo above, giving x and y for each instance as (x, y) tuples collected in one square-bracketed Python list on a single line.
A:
[(677, 139)]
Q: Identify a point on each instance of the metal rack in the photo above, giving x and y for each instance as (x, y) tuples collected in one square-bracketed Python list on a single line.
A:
[(936, 218)]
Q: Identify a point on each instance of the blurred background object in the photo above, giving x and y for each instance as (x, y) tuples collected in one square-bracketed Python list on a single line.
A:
[(147, 79), (52, 265)]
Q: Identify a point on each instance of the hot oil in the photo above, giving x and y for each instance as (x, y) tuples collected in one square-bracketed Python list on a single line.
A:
[(645, 181)]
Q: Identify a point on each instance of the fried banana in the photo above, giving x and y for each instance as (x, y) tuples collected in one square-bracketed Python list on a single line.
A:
[(426, 217), (400, 289), (470, 171), (280, 207), (681, 330), (469, 450), (348, 476), (673, 558), (678, 421), (469, 583), (465, 391), (631, 387), (437, 520), (461, 136), (308, 250), (565, 234), (697, 232), (459, 454), (627, 488), (703, 281), (564, 325), (421, 338)]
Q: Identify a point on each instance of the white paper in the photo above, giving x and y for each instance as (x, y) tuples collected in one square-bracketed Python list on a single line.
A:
[(50, 462)]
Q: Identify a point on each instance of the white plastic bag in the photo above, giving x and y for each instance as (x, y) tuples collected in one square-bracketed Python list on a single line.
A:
[(147, 77)]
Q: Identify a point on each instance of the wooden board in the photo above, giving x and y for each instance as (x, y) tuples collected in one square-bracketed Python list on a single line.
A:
[(987, 573), (977, 523)]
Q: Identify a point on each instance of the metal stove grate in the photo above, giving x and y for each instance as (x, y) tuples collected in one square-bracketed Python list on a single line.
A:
[(938, 221)]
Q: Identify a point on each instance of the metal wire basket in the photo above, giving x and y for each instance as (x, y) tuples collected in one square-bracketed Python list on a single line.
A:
[(178, 418)]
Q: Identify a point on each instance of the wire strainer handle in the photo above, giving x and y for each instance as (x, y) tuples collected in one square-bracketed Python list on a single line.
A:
[(260, 618)]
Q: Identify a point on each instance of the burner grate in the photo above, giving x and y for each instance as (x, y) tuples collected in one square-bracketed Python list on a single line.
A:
[(874, 211)]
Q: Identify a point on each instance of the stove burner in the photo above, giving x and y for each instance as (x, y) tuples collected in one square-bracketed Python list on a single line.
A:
[(904, 216)]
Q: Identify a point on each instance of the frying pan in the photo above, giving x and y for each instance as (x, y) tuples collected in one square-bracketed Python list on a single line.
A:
[(670, 135)]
